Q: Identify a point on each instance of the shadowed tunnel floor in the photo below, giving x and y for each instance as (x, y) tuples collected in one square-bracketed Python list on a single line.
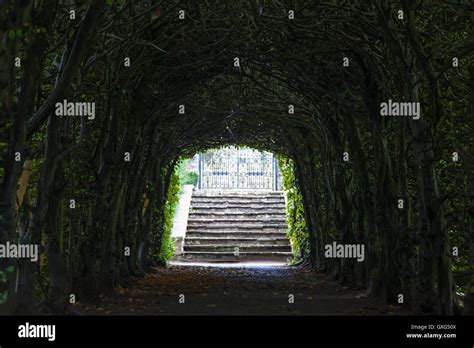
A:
[(236, 290)]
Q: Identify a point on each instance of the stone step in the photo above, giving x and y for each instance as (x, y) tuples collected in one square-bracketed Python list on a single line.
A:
[(233, 227), (238, 206), (252, 214), (243, 256), (248, 195), (245, 207), (232, 240), (231, 248), (253, 221), (231, 211), (238, 219), (255, 199), (235, 234), (239, 193)]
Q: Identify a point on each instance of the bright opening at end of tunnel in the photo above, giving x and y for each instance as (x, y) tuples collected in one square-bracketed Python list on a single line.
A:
[(232, 210)]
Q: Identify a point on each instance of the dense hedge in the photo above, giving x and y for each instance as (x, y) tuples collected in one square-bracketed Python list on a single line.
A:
[(297, 230), (167, 244)]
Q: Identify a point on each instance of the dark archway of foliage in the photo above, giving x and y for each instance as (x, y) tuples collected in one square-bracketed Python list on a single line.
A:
[(283, 62)]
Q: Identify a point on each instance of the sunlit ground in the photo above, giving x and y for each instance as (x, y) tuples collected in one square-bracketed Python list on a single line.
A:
[(250, 264)]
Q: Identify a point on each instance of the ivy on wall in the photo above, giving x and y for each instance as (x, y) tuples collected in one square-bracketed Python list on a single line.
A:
[(167, 246), (297, 230)]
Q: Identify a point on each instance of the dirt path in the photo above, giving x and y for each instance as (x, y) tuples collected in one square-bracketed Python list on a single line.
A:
[(241, 290)]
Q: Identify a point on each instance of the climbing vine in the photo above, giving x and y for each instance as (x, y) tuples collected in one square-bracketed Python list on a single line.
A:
[(297, 230), (167, 247)]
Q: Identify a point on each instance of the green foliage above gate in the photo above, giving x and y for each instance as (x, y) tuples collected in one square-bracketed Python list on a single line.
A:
[(186, 177)]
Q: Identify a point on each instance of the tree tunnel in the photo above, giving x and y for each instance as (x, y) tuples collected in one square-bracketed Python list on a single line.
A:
[(99, 100)]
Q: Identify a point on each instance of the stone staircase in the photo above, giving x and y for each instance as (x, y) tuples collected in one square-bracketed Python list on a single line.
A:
[(237, 226)]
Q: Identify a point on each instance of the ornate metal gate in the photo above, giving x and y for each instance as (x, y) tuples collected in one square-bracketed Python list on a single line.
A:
[(238, 168)]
